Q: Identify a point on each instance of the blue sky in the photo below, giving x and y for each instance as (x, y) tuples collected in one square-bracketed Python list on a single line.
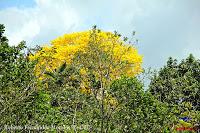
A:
[(16, 3), (163, 27)]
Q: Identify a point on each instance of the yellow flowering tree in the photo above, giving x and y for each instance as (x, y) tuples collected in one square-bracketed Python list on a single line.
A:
[(104, 53), (100, 57)]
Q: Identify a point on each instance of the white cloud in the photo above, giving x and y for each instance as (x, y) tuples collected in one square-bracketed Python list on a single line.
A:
[(46, 19), (164, 28), (49, 19)]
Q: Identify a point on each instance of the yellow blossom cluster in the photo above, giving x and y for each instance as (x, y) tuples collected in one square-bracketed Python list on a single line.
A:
[(65, 49)]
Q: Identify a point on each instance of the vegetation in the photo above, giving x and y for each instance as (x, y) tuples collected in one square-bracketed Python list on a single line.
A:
[(87, 82), (178, 84)]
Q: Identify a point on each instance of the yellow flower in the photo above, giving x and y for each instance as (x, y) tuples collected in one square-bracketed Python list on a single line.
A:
[(113, 102), (66, 48), (85, 89), (83, 71)]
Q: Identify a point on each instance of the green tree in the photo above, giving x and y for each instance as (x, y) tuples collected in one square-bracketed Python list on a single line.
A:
[(15, 69), (17, 80), (178, 84), (138, 111)]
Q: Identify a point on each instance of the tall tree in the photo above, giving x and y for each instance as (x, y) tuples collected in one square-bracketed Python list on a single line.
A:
[(16, 80), (101, 57), (178, 83)]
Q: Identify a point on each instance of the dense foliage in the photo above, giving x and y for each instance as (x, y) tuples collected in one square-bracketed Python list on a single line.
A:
[(86, 82), (179, 84)]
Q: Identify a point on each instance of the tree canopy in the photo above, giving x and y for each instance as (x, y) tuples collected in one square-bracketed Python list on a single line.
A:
[(178, 83), (87, 82)]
